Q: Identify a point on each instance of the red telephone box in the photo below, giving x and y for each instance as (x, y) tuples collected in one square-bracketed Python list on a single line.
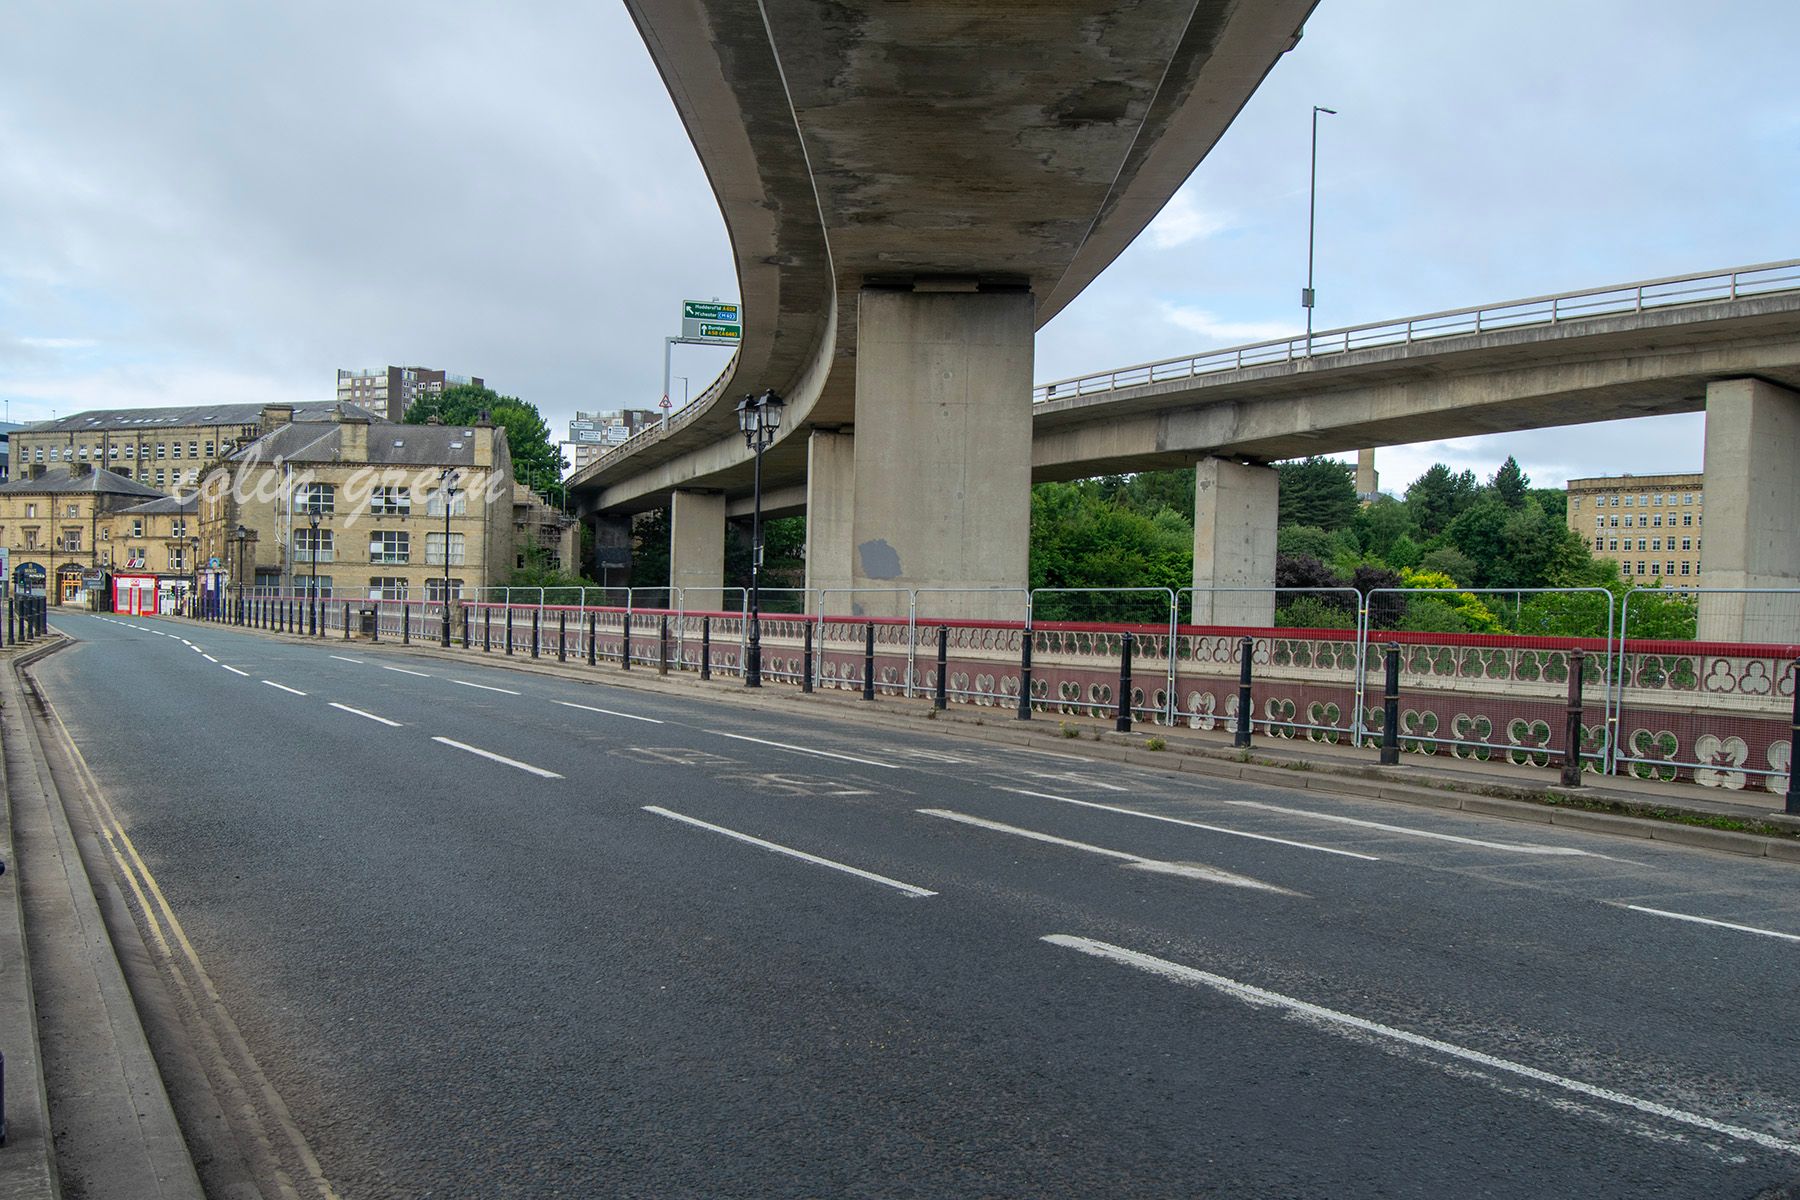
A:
[(134, 595)]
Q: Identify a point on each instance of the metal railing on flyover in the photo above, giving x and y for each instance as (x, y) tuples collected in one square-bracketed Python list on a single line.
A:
[(1542, 311)]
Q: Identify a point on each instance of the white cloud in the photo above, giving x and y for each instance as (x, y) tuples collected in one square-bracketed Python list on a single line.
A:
[(1182, 221), (38, 397), (1211, 327), (58, 343)]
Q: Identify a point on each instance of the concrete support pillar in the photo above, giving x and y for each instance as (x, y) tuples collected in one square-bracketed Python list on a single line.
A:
[(830, 508), (1752, 511), (943, 448), (1235, 512), (697, 546)]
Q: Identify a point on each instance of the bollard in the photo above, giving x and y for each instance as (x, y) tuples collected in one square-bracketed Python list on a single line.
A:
[(346, 620), (1390, 709), (625, 643), (487, 629), (405, 624), (534, 632), (509, 639), (806, 658), (706, 647), (2, 1099), (1122, 724), (465, 627), (869, 663), (662, 648), (1793, 792), (1571, 765), (562, 635), (593, 624), (1246, 705), (1025, 674), (942, 699)]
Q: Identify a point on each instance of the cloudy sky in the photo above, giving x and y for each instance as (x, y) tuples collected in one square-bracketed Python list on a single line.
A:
[(206, 202)]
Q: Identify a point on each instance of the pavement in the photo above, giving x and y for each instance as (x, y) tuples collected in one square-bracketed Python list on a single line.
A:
[(493, 931)]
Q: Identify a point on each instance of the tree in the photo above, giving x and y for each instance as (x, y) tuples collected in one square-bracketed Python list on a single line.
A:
[(1510, 484), (1151, 492), (1079, 539), (1308, 541), (1317, 491), (650, 549), (1439, 496), (1381, 523), (535, 457), (1448, 560)]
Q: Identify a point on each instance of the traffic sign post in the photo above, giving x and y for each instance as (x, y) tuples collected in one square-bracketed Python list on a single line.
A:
[(703, 323)]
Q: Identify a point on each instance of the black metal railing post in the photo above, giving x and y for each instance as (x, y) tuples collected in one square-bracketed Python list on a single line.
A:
[(593, 628), (662, 647), (869, 663), (1793, 791), (487, 629), (1571, 764), (534, 632), (509, 637), (1025, 674), (1246, 702), (942, 699), (1390, 709), (625, 643), (562, 635), (465, 611), (806, 658), (346, 620), (706, 647), (1122, 723)]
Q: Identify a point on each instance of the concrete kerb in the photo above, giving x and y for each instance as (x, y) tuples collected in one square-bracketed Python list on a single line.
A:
[(28, 1163), (1272, 766)]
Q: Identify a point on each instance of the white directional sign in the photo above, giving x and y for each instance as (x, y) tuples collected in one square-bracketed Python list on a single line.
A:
[(711, 321)]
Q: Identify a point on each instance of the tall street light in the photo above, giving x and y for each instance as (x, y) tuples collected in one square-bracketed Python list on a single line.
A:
[(1312, 205), (444, 498), (312, 603), (758, 417), (240, 535)]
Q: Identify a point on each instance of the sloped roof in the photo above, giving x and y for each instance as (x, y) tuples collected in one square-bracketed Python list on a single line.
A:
[(131, 420), (189, 503), (389, 445), (98, 481)]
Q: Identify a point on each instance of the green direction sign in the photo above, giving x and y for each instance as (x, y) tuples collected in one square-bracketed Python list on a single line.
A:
[(724, 333), (710, 310)]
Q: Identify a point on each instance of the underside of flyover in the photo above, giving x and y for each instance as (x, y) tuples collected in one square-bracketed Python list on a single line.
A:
[(923, 185)]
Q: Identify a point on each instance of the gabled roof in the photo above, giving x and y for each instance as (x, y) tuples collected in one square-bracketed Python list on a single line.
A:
[(168, 505), (98, 481), (149, 420), (389, 445)]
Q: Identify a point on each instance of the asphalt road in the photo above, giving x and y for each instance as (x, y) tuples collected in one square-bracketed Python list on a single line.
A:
[(574, 973)]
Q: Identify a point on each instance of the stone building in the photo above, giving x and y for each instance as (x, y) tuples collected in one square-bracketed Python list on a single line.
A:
[(58, 526), (1649, 524), (165, 448), (359, 504)]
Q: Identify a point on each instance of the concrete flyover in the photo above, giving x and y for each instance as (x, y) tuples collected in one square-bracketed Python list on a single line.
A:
[(911, 190)]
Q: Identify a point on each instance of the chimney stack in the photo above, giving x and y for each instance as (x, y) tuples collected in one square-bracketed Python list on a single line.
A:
[(274, 416)]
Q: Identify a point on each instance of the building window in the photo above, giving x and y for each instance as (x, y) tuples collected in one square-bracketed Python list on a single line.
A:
[(1687, 543), (315, 498), (1687, 498), (1624, 568), (1669, 566), (209, 449), (161, 450), (1643, 502), (1575, 504), (137, 527), (1687, 518), (1684, 568), (1656, 520), (1700, 519), (193, 449), (1613, 521), (1599, 519), (175, 450), (381, 588), (1699, 497), (71, 539), (161, 475), (1656, 543), (1628, 502), (434, 590), (434, 549), (304, 541), (177, 559), (1656, 568), (303, 583), (70, 510), (390, 502), (1641, 545), (31, 535), (131, 450), (31, 510), (1612, 544), (112, 451), (459, 503), (390, 546), (178, 528), (1628, 520)]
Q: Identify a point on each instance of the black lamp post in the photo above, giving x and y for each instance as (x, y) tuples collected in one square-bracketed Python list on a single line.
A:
[(444, 492), (240, 535), (194, 562), (758, 417), (312, 599)]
